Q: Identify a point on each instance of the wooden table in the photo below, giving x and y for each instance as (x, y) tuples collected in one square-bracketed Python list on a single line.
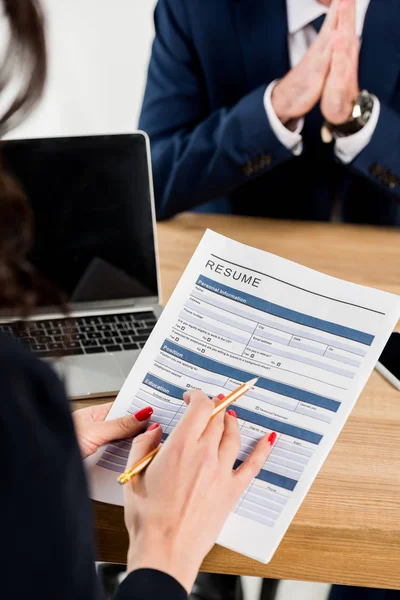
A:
[(347, 530)]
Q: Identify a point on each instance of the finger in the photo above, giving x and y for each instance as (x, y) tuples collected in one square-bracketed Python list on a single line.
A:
[(340, 57), (345, 57), (196, 416), (100, 412), (230, 441), (186, 398), (320, 51), (215, 428), (347, 18), (122, 428), (144, 444), (331, 19), (251, 467), (92, 413)]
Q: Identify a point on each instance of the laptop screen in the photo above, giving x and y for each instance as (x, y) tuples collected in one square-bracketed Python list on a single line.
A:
[(91, 200)]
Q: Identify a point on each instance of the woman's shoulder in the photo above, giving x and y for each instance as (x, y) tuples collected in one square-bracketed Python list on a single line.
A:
[(33, 402)]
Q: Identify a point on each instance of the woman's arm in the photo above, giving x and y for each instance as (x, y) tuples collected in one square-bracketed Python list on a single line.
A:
[(47, 529)]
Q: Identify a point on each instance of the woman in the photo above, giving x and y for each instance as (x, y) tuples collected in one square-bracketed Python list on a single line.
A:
[(173, 512)]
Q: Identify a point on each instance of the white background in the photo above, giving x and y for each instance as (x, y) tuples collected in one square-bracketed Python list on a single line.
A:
[(98, 53)]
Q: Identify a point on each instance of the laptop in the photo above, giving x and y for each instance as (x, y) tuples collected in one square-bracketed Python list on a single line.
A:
[(95, 239)]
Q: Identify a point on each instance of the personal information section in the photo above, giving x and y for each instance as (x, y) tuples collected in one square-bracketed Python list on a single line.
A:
[(238, 313)]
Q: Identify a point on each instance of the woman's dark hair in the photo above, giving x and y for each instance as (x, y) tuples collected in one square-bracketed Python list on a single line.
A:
[(22, 79)]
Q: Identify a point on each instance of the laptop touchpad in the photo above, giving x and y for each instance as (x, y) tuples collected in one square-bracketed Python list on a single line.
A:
[(126, 360), (90, 374)]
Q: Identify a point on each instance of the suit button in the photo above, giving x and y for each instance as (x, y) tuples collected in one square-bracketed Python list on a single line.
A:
[(266, 159), (248, 169), (377, 170), (257, 165)]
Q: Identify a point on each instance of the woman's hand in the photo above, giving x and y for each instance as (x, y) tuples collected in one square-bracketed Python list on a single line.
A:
[(176, 509), (93, 431)]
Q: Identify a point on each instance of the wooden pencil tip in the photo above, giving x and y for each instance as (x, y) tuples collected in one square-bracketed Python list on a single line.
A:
[(252, 382)]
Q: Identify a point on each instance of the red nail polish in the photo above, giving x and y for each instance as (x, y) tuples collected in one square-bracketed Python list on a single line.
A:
[(154, 426), (272, 438), (144, 414), (232, 413), (221, 396)]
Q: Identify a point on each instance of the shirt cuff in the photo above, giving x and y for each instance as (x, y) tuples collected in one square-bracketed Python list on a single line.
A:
[(348, 147), (292, 140)]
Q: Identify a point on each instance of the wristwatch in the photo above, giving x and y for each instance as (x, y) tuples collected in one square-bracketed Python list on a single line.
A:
[(361, 114)]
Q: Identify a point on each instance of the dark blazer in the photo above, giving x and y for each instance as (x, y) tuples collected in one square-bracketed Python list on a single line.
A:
[(211, 139), (46, 544)]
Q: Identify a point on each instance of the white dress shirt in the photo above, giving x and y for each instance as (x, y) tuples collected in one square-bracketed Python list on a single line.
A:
[(301, 13)]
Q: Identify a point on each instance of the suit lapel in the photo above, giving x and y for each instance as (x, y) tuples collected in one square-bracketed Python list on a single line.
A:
[(380, 51), (262, 31)]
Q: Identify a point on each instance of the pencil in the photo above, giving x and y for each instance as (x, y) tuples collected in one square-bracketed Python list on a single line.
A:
[(219, 407)]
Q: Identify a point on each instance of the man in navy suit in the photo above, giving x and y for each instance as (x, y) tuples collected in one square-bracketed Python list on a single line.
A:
[(238, 98), (239, 91)]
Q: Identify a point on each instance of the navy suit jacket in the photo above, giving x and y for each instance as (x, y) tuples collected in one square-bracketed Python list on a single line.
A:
[(211, 141)]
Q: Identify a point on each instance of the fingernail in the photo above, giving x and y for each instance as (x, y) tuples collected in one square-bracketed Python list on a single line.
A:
[(144, 414), (272, 438), (221, 396), (232, 413), (154, 426)]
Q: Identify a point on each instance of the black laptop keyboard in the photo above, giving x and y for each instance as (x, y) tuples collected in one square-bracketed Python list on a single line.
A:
[(84, 335)]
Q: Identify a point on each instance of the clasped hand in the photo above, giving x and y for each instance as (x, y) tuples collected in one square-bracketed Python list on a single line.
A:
[(327, 73)]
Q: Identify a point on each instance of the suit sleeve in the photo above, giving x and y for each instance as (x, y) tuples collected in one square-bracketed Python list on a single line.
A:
[(198, 156), (149, 584), (380, 160)]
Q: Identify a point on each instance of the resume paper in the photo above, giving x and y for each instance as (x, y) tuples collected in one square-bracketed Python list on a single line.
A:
[(239, 313)]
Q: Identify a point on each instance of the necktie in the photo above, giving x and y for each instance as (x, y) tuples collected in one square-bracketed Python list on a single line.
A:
[(318, 22)]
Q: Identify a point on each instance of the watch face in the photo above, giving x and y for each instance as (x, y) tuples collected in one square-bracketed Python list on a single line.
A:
[(365, 103), (361, 115)]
